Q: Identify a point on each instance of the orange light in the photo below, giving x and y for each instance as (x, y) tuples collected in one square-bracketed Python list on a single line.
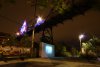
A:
[(17, 33)]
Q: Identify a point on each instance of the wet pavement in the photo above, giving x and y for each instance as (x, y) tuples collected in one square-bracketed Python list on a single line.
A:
[(44, 62)]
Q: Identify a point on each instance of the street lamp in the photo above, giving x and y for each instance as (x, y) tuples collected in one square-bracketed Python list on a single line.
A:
[(80, 38), (38, 21), (17, 33)]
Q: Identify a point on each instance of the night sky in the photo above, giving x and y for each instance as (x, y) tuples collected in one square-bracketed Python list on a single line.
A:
[(13, 15)]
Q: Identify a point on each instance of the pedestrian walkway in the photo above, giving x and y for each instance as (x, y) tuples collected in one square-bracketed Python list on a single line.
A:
[(28, 60), (46, 62)]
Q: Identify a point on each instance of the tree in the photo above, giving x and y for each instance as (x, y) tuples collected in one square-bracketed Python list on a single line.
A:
[(12, 41), (91, 47), (95, 41), (75, 52), (58, 6), (25, 41), (65, 52), (61, 5)]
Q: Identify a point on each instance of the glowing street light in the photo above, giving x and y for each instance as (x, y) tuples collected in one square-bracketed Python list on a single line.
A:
[(80, 38), (23, 28), (39, 21), (17, 33)]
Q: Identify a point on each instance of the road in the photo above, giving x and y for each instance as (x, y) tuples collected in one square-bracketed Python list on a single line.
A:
[(41, 62)]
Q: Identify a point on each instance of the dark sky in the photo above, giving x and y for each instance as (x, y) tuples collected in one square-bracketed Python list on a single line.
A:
[(88, 23), (13, 15)]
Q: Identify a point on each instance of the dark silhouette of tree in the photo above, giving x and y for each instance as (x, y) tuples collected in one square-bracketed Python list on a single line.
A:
[(61, 10), (25, 41)]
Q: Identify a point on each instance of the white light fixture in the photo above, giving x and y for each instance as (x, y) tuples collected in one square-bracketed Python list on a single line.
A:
[(81, 36)]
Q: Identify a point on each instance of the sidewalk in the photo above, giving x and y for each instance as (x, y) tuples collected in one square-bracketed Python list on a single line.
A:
[(28, 60), (46, 62)]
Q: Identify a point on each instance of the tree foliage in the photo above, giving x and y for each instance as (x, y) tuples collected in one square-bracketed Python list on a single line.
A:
[(95, 41), (25, 41), (12, 41), (92, 46)]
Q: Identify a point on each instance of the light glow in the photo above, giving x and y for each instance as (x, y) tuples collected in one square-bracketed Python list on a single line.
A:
[(39, 21), (81, 36), (23, 28), (49, 49), (17, 33)]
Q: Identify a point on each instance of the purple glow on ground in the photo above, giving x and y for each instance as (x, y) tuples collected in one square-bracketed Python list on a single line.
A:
[(39, 21), (23, 28)]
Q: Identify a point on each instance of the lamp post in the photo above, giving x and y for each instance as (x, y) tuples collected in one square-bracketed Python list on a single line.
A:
[(81, 36), (32, 43), (38, 21)]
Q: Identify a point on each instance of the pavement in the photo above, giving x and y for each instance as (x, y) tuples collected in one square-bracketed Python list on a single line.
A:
[(46, 62)]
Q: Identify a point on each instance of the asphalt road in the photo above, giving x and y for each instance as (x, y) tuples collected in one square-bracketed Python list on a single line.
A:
[(40, 62)]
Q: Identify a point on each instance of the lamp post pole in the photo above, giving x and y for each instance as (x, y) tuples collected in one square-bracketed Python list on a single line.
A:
[(80, 42), (32, 43), (80, 39), (37, 22)]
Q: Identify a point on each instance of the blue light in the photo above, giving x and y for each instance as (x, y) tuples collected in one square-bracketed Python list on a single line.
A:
[(23, 28), (49, 49), (39, 21)]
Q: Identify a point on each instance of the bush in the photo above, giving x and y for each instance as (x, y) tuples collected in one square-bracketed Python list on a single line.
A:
[(65, 53)]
